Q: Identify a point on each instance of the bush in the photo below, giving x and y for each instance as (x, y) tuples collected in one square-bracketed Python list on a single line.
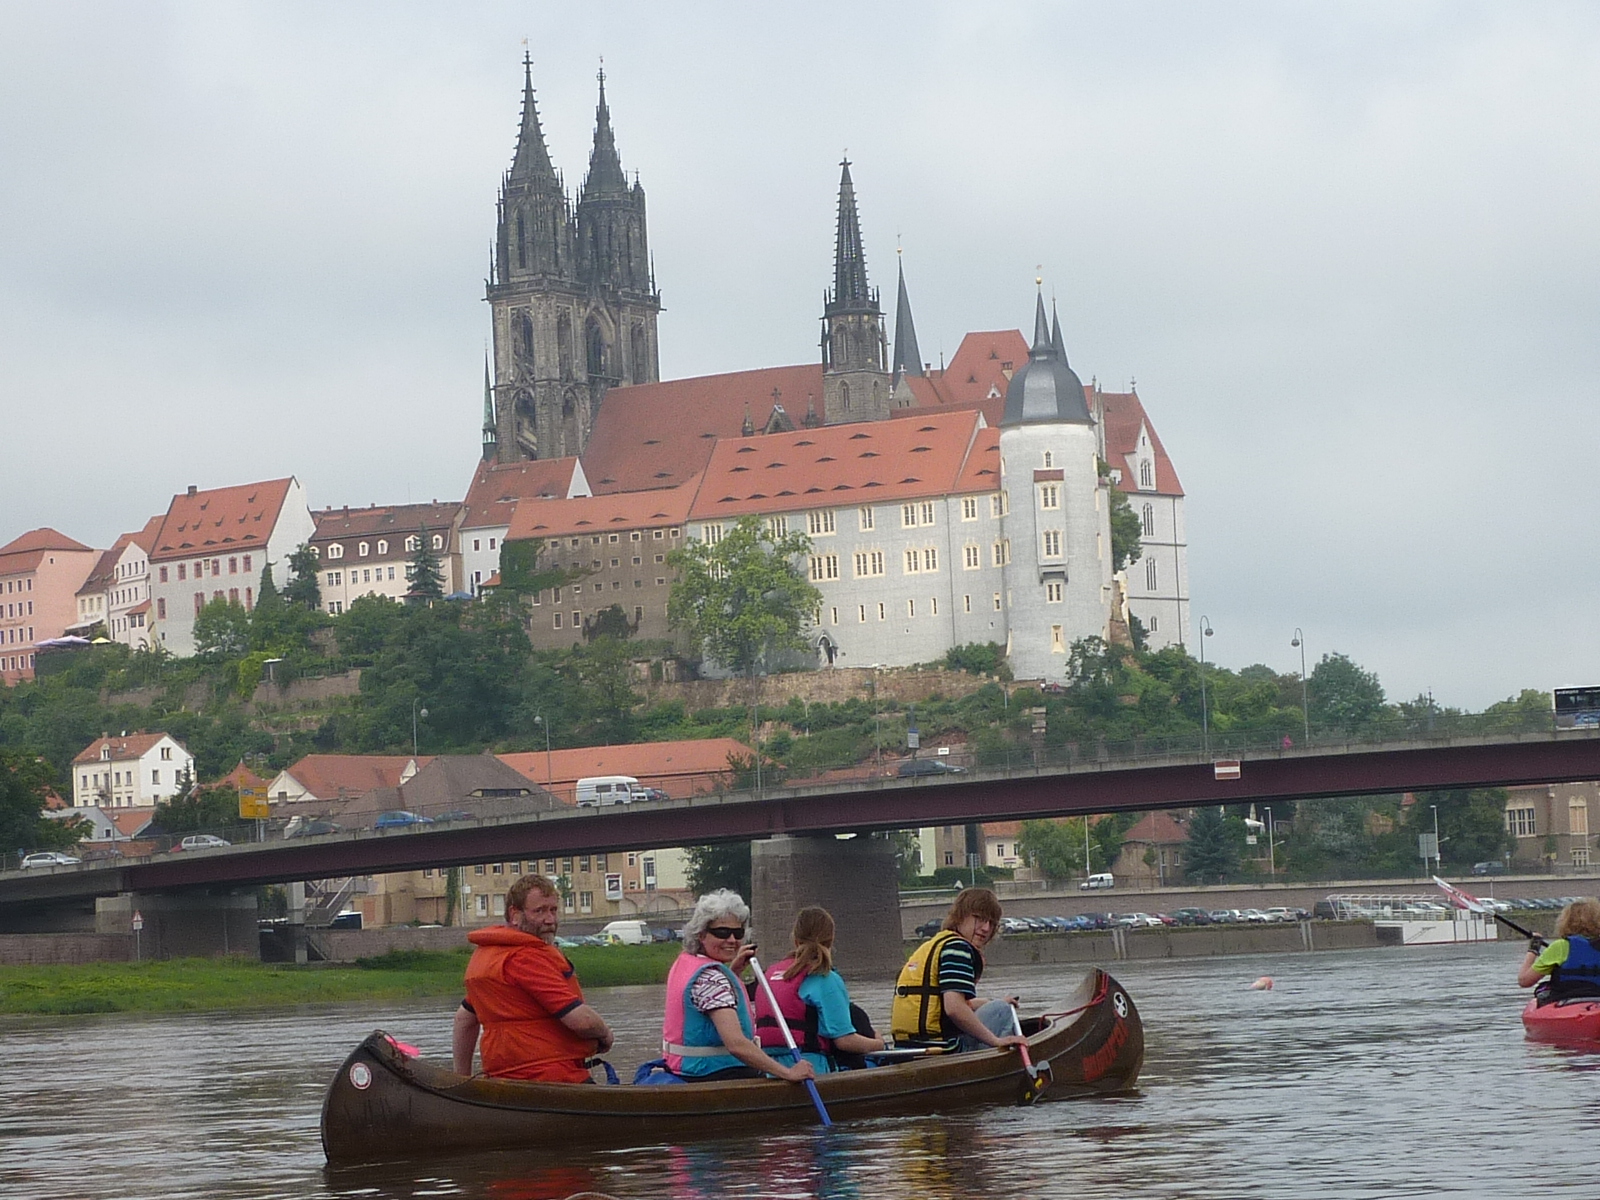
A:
[(978, 658)]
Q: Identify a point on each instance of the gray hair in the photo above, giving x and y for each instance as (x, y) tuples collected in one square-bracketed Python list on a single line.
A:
[(720, 903)]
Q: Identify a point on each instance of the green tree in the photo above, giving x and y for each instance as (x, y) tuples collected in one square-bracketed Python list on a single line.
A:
[(302, 588), (1055, 847), (1125, 530), (725, 865), (743, 599), (1472, 824), (427, 579), (978, 658), (1212, 855), (222, 631), (198, 809), (610, 622), (605, 670), (1344, 696), (24, 782), (521, 574)]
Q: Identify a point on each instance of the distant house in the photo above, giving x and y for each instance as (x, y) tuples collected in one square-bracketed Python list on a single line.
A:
[(368, 551), (132, 770), (332, 777), (40, 574), (492, 498), (1152, 851), (683, 768)]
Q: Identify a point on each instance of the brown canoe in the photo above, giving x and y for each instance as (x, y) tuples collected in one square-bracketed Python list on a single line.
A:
[(385, 1105)]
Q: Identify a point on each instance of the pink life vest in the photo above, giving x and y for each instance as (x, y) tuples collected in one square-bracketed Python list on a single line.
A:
[(800, 1016), (686, 1032)]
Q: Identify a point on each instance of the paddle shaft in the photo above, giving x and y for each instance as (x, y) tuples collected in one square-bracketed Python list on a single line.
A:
[(788, 1037), (1027, 1059)]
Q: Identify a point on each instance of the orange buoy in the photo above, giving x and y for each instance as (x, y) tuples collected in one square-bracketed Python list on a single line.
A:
[(1264, 984)]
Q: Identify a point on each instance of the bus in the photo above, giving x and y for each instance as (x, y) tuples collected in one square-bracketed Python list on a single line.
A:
[(1577, 708)]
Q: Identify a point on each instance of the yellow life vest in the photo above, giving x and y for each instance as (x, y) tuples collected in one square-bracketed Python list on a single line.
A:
[(918, 1012)]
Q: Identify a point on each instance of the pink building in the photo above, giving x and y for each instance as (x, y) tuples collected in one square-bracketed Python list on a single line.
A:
[(40, 574)]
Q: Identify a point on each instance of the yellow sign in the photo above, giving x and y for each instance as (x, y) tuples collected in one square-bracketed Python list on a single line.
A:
[(253, 804)]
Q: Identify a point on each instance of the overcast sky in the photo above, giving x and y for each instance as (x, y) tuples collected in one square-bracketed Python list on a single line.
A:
[(1349, 251)]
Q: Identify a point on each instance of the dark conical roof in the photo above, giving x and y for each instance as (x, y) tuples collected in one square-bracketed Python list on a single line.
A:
[(1046, 389), (532, 159), (849, 261), (605, 168), (907, 356)]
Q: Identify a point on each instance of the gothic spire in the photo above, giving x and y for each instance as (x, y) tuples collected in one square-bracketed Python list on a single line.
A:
[(490, 434), (532, 160), (907, 357), (849, 262), (605, 168), (1041, 347), (1056, 343)]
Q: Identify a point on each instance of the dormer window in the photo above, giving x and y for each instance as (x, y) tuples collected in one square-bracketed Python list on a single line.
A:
[(383, 547), (336, 550), (362, 549), (412, 543), (1146, 474), (438, 541), (105, 753)]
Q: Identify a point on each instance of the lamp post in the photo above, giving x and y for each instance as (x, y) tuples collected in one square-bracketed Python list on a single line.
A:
[(1272, 857), (1205, 716), (1299, 642), (1438, 863), (549, 771), (415, 713)]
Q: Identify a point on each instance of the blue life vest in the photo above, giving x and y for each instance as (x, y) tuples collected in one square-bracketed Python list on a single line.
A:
[(1580, 974)]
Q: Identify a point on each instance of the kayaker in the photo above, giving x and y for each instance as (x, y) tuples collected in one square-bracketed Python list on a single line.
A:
[(936, 1001), (812, 999), (1569, 966), (707, 1031), (524, 994)]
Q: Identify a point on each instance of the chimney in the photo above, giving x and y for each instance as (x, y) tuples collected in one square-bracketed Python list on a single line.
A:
[(192, 489)]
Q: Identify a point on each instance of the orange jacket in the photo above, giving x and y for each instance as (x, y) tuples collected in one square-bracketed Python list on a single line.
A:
[(521, 986)]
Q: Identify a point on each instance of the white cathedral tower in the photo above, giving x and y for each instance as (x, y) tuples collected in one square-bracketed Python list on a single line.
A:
[(1057, 512)]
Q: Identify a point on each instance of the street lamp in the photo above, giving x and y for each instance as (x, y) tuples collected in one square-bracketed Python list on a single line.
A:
[(1438, 863), (549, 771), (415, 713), (1272, 857), (1305, 707), (1205, 716)]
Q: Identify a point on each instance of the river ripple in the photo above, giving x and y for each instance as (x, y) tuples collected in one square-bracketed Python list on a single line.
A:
[(1378, 1073)]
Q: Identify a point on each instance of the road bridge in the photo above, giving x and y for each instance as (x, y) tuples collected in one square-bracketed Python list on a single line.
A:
[(820, 811)]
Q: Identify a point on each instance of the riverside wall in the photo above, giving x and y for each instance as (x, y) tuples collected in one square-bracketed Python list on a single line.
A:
[(64, 949)]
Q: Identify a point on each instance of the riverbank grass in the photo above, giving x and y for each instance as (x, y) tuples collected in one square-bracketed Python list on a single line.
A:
[(197, 985)]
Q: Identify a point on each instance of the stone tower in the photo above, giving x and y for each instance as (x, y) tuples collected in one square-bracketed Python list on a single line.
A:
[(571, 292), (855, 380)]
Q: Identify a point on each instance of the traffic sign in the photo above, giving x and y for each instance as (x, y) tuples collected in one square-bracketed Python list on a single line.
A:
[(253, 804), (138, 921)]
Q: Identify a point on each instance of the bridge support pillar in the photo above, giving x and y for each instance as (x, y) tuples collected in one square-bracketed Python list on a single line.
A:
[(187, 924), (855, 879)]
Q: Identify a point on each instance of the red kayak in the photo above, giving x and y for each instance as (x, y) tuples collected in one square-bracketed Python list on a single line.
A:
[(1563, 1021)]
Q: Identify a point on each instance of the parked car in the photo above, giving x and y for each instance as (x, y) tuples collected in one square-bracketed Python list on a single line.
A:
[(1253, 916), (1489, 867), (663, 933), (1094, 920), (1225, 916), (310, 827), (914, 767), (1191, 916), (928, 928), (1014, 925), (48, 858), (202, 841), (399, 818), (1283, 914), (346, 920), (651, 793)]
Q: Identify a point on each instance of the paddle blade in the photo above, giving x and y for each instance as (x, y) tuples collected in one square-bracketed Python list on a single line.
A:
[(1459, 898)]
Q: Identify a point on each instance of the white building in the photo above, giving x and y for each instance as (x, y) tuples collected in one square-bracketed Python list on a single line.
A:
[(368, 551), (492, 499), (214, 545), (1158, 583), (133, 770)]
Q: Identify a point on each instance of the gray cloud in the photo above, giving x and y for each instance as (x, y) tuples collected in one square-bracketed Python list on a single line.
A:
[(1349, 253)]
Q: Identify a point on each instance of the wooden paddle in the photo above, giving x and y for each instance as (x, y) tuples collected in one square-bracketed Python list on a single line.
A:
[(788, 1037)]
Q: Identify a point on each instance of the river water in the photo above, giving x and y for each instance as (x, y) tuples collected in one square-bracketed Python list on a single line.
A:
[(1377, 1073)]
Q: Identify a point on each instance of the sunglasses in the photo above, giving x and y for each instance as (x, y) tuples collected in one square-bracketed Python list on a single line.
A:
[(725, 931)]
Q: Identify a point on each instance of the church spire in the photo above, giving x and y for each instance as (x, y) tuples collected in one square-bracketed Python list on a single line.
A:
[(605, 168), (490, 434), (907, 357), (850, 290), (532, 160), (1056, 343), (1041, 347)]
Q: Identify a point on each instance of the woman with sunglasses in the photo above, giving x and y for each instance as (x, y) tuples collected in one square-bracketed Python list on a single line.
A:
[(813, 1001), (708, 1032)]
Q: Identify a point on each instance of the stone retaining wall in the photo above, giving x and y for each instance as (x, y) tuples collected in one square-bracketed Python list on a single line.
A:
[(64, 949), (905, 685)]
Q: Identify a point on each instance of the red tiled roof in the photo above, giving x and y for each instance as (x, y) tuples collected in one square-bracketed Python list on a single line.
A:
[(131, 746), (1002, 829), (145, 539), (1156, 828), (657, 435), (241, 776), (43, 538), (141, 607), (496, 487), (675, 767), (869, 462), (228, 518), (1124, 415), (345, 522), (130, 822), (975, 378), (595, 514), (324, 775), (981, 471), (104, 570)]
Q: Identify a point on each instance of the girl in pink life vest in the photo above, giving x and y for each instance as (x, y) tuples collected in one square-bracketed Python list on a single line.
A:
[(707, 1031), (812, 999)]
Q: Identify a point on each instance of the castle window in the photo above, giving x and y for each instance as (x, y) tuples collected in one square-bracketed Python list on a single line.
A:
[(1052, 543), (844, 396), (778, 526), (1150, 574), (1148, 520), (866, 518), (911, 608), (1146, 474), (930, 559), (1049, 495), (1052, 592), (334, 551), (966, 604), (1049, 460), (1058, 640), (819, 523), (362, 549), (972, 557), (438, 541), (913, 562), (711, 534), (969, 508)]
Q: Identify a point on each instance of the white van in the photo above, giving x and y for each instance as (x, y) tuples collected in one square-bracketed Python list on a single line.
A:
[(629, 933), (600, 790), (1095, 882)]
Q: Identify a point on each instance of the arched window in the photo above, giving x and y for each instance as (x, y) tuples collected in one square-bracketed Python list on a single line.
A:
[(336, 550), (383, 547), (522, 242), (596, 347), (412, 543), (1149, 522), (362, 549), (639, 354), (1049, 460), (1150, 574), (844, 397), (525, 338), (564, 344), (438, 541), (1146, 474)]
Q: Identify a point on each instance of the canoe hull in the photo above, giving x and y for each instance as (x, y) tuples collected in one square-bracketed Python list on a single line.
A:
[(382, 1105), (1569, 1021)]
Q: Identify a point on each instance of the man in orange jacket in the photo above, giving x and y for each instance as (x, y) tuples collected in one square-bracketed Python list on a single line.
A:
[(524, 995)]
